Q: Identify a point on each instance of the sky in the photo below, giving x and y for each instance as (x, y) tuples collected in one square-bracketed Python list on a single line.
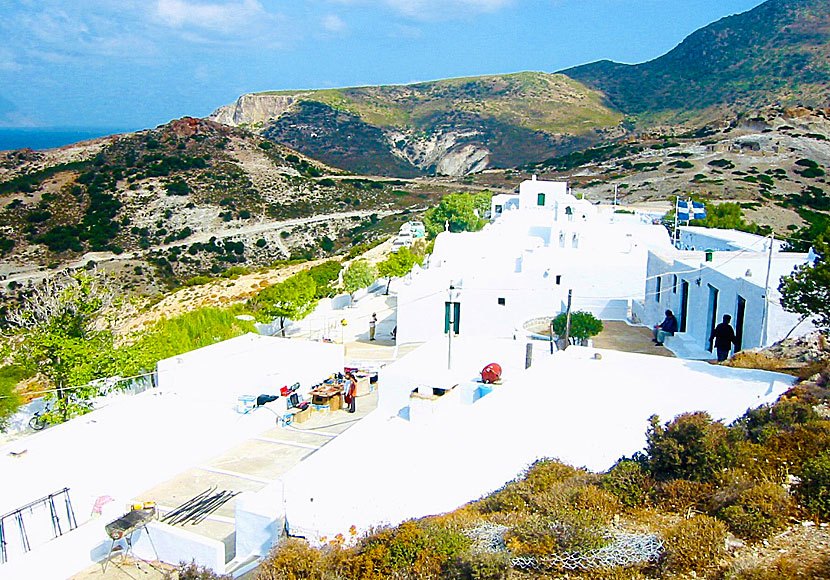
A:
[(135, 64)]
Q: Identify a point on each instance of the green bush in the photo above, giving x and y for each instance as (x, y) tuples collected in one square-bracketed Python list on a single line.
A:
[(814, 489), (629, 483), (692, 446), (584, 325), (682, 495), (694, 545)]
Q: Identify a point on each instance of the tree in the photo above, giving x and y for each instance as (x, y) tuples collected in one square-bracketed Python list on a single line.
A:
[(291, 299), (584, 325), (358, 275), (398, 264), (462, 211), (807, 290), (63, 336), (9, 400)]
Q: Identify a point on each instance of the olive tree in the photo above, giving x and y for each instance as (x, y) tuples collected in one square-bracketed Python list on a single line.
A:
[(359, 274), (60, 332)]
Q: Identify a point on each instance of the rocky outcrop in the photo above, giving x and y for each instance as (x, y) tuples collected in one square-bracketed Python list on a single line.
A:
[(445, 153), (254, 109)]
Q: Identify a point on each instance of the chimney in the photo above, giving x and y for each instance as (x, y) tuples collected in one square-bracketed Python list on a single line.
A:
[(534, 177)]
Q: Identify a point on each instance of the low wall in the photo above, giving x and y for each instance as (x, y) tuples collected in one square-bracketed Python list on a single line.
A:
[(175, 545)]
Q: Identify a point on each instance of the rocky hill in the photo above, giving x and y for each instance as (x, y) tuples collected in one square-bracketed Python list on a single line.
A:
[(449, 127), (187, 198), (774, 162), (775, 54)]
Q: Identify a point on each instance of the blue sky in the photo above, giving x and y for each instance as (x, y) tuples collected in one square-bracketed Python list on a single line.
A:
[(139, 63)]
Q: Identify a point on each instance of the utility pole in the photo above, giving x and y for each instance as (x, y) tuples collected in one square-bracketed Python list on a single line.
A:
[(765, 322), (567, 320)]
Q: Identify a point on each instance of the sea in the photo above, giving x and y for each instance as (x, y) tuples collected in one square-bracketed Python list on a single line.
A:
[(51, 137)]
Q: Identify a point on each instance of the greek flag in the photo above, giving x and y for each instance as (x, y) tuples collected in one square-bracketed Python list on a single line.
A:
[(690, 210)]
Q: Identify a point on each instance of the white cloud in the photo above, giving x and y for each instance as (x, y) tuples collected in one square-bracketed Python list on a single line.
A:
[(333, 23), (431, 9), (226, 18)]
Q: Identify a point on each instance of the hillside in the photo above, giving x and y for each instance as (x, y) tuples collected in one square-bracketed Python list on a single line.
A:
[(775, 54), (450, 127), (187, 198), (773, 162)]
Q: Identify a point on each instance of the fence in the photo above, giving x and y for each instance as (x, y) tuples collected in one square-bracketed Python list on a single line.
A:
[(623, 549), (36, 522)]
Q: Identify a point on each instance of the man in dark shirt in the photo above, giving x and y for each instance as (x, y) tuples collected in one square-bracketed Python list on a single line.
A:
[(666, 328), (724, 337)]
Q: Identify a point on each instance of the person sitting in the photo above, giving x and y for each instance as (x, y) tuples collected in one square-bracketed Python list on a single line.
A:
[(724, 337), (666, 328)]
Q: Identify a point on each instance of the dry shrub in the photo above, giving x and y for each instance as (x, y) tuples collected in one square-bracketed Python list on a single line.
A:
[(757, 462), (752, 359), (694, 545), (784, 568), (510, 498), (570, 530), (791, 449), (292, 559), (480, 566), (755, 511), (416, 549), (544, 473), (682, 495)]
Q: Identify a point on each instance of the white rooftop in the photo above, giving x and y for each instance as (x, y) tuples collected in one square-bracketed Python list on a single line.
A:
[(583, 411)]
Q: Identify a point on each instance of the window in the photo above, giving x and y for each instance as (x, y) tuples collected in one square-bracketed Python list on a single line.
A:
[(558, 279), (659, 287), (540, 199), (674, 285), (502, 301), (498, 209)]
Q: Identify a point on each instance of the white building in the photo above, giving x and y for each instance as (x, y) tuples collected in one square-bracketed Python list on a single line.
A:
[(700, 287), (523, 264), (700, 238)]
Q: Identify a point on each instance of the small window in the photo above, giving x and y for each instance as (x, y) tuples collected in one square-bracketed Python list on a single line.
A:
[(540, 199), (498, 209), (674, 284), (659, 287), (502, 301), (559, 279)]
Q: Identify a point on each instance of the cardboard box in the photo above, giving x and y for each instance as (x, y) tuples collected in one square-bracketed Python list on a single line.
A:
[(363, 385), (303, 416)]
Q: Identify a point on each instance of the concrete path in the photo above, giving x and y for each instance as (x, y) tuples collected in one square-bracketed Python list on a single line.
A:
[(619, 335)]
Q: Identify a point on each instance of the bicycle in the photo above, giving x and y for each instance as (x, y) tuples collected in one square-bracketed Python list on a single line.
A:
[(38, 421)]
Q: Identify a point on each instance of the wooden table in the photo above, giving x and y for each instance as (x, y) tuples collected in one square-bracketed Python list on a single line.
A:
[(327, 395)]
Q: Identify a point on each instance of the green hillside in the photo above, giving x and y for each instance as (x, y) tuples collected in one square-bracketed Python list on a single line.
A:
[(776, 54)]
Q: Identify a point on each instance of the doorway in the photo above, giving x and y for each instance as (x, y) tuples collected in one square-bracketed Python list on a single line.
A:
[(739, 322), (712, 315), (684, 304)]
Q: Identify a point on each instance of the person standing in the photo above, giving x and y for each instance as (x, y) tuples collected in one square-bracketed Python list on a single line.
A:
[(351, 393), (724, 337), (666, 328), (373, 322)]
